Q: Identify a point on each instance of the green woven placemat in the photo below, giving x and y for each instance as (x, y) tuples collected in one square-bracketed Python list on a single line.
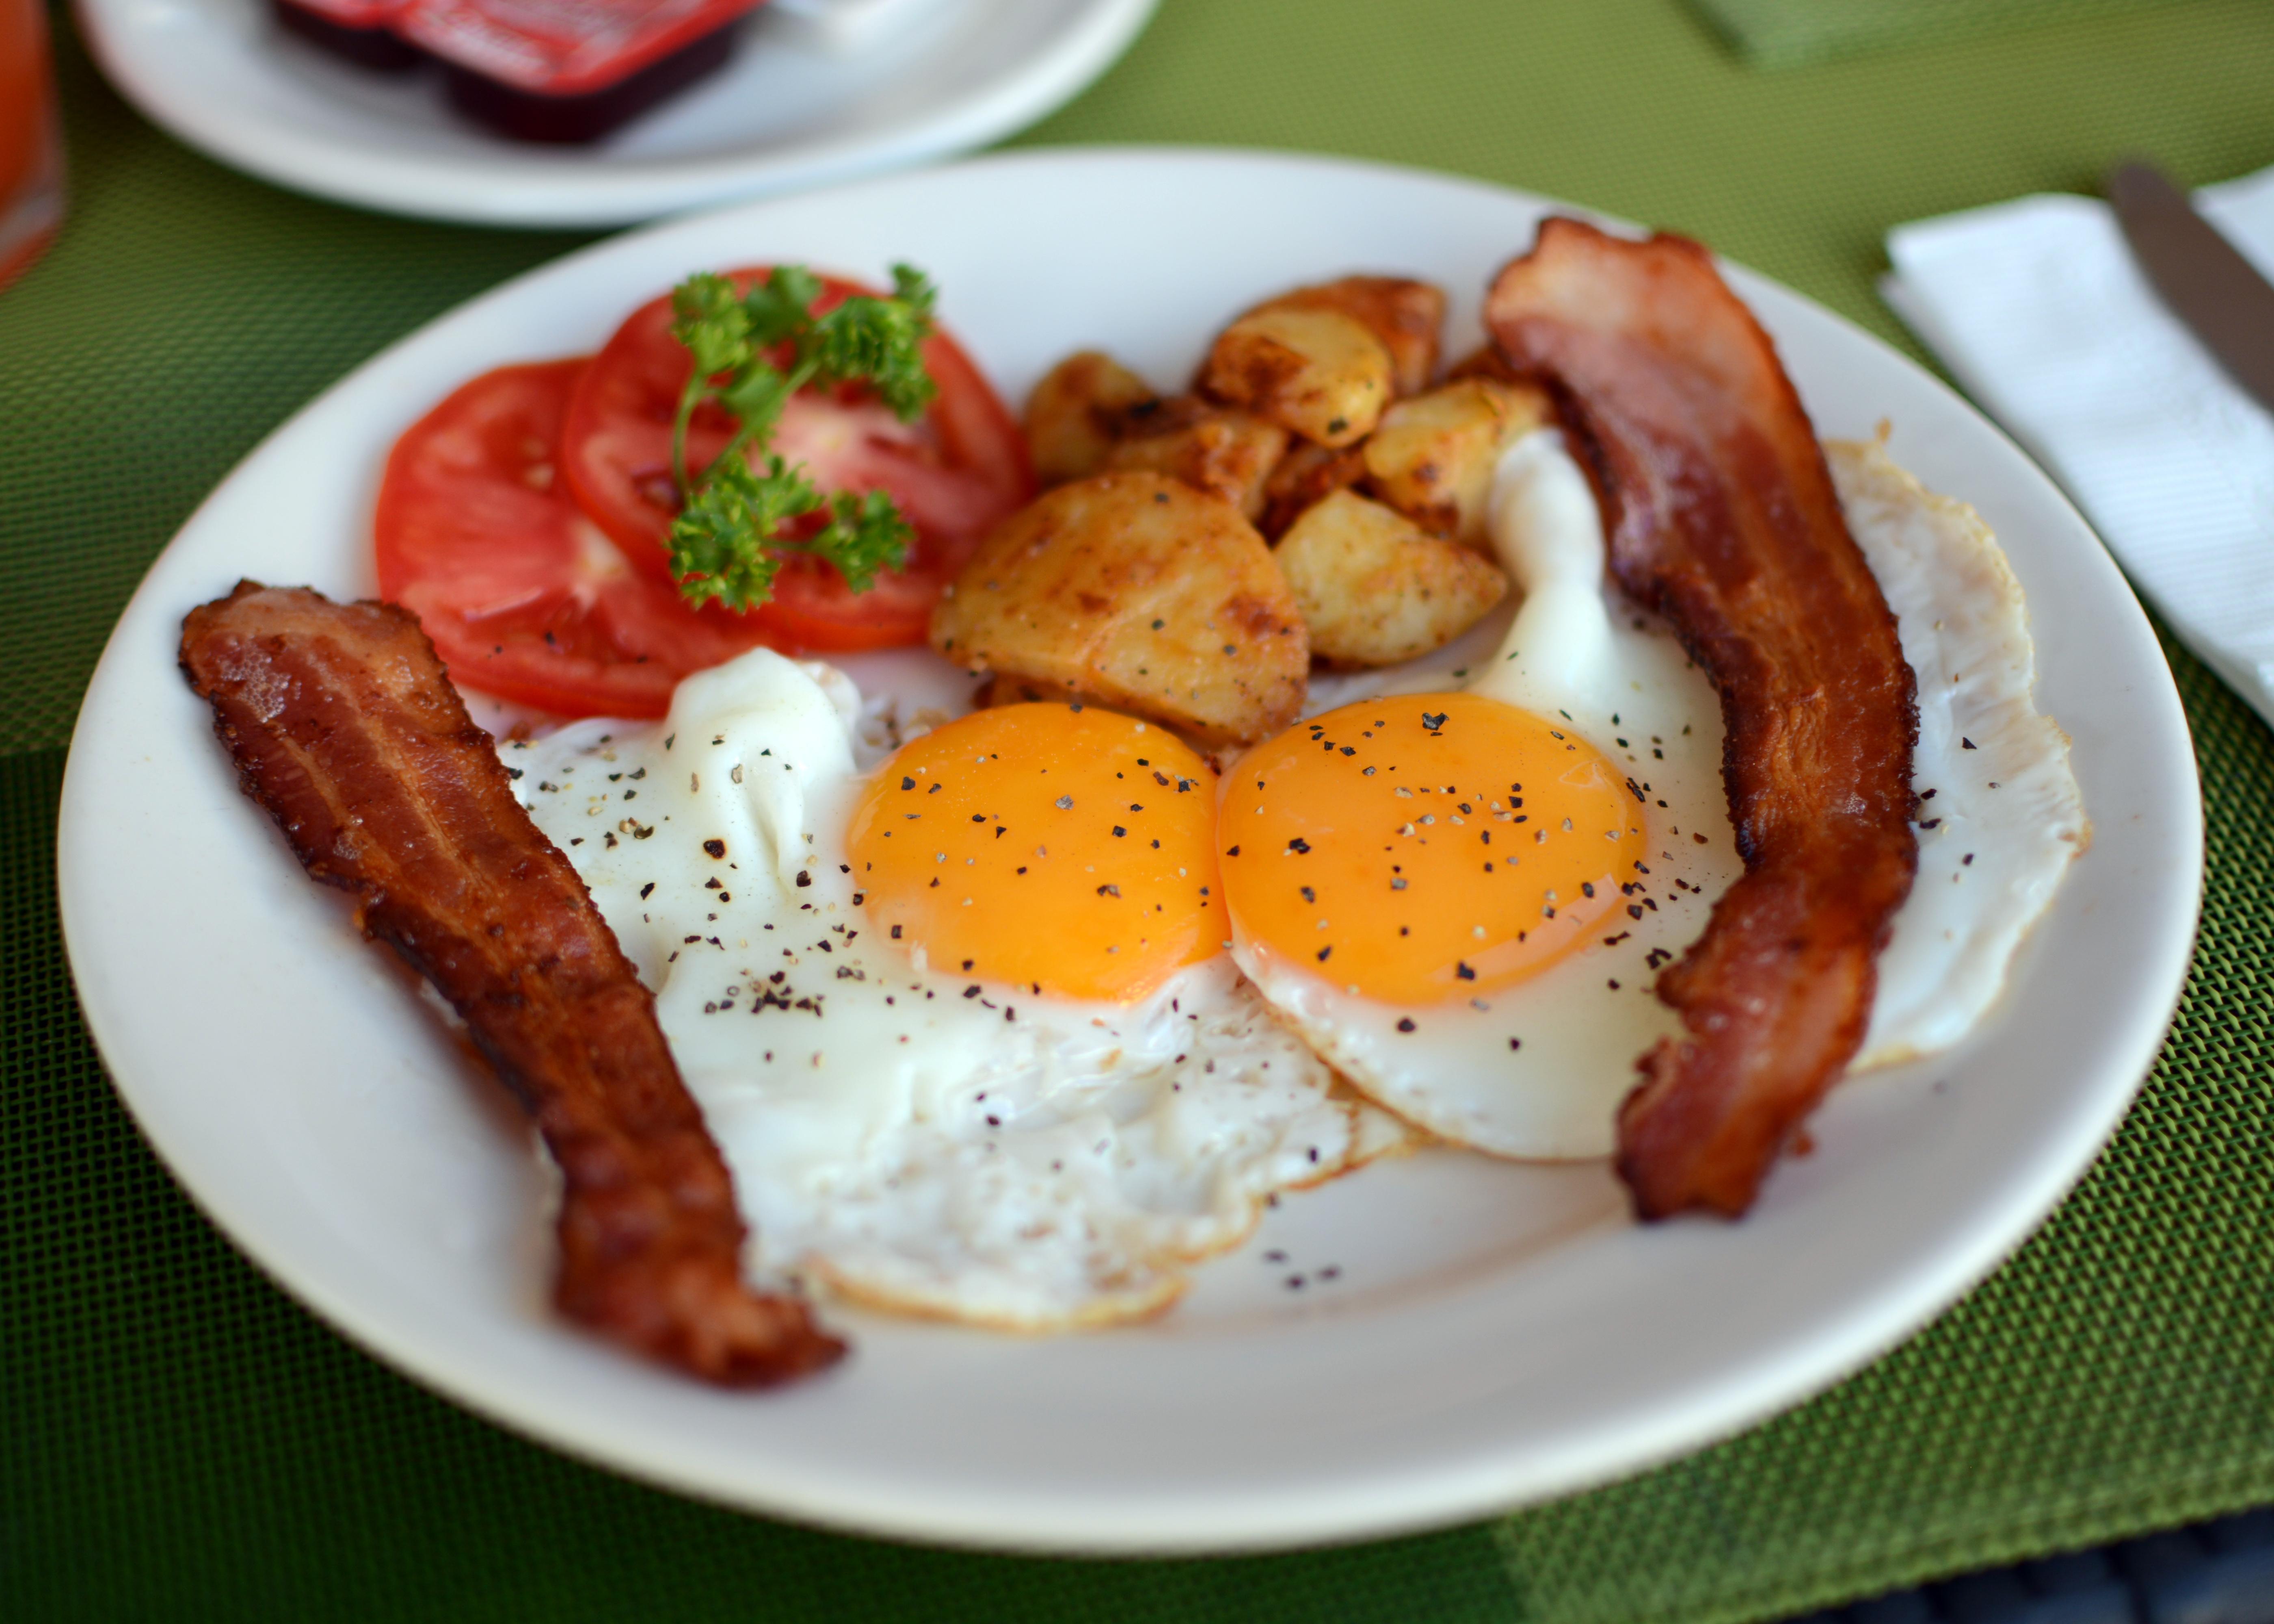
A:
[(179, 1441), (1783, 33)]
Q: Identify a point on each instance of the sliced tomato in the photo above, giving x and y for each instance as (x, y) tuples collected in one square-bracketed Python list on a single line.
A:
[(956, 473), (524, 596)]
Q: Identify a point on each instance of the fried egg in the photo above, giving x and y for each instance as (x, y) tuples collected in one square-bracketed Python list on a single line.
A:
[(961, 1023), (2000, 816), (1014, 1020), (1461, 898)]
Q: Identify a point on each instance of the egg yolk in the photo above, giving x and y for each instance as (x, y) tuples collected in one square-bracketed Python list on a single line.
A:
[(1061, 848), (1428, 848)]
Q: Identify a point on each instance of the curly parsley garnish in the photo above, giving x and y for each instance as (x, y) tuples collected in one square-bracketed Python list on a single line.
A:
[(728, 541)]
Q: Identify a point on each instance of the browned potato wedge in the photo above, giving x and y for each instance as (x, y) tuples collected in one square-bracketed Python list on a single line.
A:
[(1305, 475), (1075, 414), (1140, 592), (1431, 457), (1223, 452), (1005, 690), (1375, 589), (1320, 373), (1405, 315)]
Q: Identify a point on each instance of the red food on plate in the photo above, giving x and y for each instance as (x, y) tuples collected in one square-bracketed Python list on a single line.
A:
[(542, 70), (524, 596), (360, 16), (561, 47), (540, 116), (341, 726), (1722, 515), (956, 473), (359, 31)]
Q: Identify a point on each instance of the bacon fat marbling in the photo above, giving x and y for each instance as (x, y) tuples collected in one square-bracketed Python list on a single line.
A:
[(1721, 515), (343, 727)]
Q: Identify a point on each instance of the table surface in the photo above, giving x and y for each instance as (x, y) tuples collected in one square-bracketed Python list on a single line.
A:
[(181, 1440)]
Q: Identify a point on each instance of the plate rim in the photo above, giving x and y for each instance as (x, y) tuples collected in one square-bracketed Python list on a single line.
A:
[(534, 187), (1423, 1500)]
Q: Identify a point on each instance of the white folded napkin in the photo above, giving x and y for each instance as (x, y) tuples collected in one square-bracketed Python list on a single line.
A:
[(2039, 311)]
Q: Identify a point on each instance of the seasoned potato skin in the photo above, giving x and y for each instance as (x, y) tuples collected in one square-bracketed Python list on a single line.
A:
[(1219, 449), (1406, 316), (1139, 592), (1375, 589), (1075, 415), (1318, 371), (1305, 475), (1007, 690), (1432, 456)]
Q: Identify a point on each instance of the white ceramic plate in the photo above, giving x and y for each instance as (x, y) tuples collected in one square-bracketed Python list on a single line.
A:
[(1498, 1333), (786, 112)]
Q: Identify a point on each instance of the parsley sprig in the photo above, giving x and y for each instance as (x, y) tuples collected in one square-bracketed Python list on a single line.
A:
[(727, 542)]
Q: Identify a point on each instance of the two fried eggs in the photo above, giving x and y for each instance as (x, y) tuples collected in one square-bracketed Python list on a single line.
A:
[(1014, 1021)]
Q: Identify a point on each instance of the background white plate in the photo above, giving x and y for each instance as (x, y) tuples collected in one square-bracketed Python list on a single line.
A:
[(222, 76), (1497, 1333)]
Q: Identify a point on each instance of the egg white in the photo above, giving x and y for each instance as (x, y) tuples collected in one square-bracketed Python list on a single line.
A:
[(2000, 816), (904, 1136), (1538, 1070)]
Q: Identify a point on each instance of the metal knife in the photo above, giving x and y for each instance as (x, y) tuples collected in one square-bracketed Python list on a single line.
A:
[(2206, 283)]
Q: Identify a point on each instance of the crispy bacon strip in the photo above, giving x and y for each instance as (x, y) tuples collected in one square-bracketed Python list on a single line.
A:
[(1721, 515), (345, 728)]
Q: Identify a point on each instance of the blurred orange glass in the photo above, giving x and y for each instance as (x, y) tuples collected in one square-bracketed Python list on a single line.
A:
[(31, 139)]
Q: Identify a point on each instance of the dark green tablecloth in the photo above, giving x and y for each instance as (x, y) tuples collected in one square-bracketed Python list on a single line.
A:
[(179, 1441)]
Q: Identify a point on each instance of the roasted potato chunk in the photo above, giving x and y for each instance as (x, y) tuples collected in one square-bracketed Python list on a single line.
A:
[(1375, 589), (1307, 474), (1222, 451), (1075, 415), (1320, 373), (1406, 316), (1006, 690), (1140, 592), (1431, 457)]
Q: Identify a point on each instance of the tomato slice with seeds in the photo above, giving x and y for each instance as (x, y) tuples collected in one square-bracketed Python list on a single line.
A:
[(956, 473), (524, 598)]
